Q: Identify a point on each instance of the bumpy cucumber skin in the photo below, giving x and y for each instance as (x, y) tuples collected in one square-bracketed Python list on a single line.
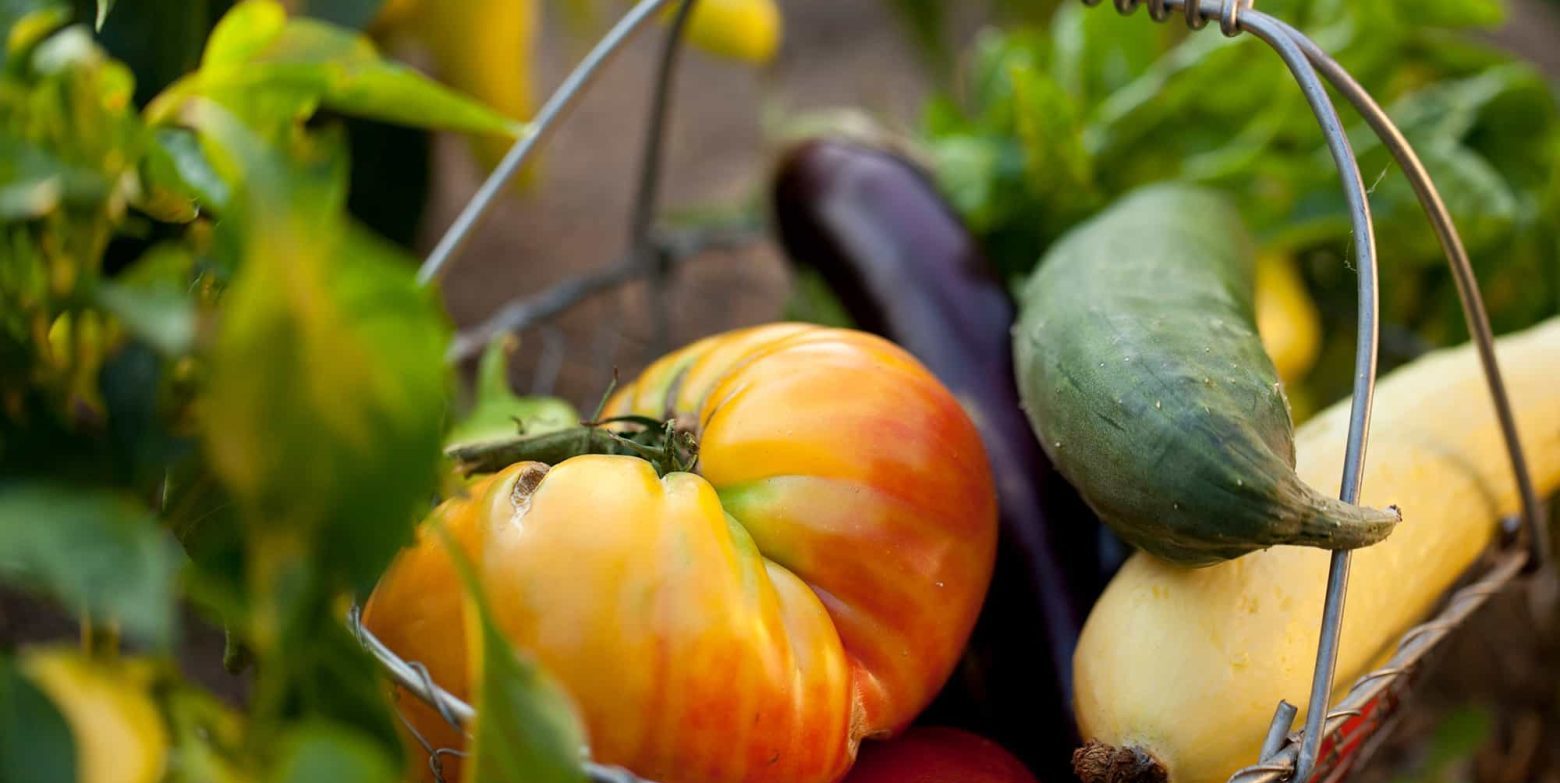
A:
[(1141, 370)]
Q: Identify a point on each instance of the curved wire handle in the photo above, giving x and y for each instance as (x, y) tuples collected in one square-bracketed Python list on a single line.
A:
[(536, 132), (1304, 58), (414, 677)]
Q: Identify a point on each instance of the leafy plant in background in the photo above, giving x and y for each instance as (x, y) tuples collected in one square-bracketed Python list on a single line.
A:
[(1050, 122), (244, 412)]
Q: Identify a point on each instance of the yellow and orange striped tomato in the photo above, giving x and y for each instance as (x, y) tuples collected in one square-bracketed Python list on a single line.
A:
[(811, 584)]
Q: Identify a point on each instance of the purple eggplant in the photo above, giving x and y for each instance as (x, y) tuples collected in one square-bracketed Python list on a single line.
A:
[(903, 265)]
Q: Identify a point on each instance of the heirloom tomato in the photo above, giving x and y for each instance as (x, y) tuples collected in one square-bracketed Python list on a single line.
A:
[(809, 583)]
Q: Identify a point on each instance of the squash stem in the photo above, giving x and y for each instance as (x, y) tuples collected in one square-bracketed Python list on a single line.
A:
[(1097, 762)]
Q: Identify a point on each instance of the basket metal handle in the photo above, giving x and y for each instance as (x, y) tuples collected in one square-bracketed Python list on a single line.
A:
[(1304, 59)]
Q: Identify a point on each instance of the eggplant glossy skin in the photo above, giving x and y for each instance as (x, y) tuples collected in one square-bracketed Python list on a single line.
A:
[(904, 266)]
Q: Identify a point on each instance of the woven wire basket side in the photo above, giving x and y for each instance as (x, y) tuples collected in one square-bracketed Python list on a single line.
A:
[(1333, 742)]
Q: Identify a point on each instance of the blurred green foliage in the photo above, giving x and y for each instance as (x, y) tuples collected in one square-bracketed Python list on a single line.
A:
[(216, 386), (1049, 122), (1450, 752)]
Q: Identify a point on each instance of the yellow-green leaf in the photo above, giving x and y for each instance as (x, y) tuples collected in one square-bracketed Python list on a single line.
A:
[(272, 70), (498, 413), (327, 387), (321, 752)]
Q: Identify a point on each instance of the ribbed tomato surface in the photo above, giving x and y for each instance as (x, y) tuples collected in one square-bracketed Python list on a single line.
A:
[(811, 583)]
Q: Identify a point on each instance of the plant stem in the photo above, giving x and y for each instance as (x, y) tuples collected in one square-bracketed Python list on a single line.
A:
[(643, 253)]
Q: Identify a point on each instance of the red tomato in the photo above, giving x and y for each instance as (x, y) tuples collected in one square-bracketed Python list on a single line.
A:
[(810, 584), (937, 755)]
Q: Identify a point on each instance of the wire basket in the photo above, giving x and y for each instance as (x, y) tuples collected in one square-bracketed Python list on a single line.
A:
[(1333, 742)]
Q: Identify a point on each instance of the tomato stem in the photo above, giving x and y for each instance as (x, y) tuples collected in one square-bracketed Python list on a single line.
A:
[(663, 444)]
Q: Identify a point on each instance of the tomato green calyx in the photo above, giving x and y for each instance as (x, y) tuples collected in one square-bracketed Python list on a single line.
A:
[(670, 448), (665, 445)]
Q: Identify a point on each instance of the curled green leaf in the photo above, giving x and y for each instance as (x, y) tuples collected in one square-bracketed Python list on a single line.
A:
[(498, 413), (273, 71)]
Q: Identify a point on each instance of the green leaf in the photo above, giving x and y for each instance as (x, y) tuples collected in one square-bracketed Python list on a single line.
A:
[(152, 299), (30, 180), (527, 729), (35, 740), (244, 33), (23, 23), (358, 81), (177, 166), (1051, 133), (499, 413), (73, 135), (207, 737), (1093, 54), (1478, 196), (398, 94), (327, 386), (103, 7), (971, 169), (98, 553), (1448, 110), (35, 182), (1453, 13), (322, 752), (272, 71)]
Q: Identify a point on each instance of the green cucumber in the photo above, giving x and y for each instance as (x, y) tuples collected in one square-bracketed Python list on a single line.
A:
[(1141, 370)]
